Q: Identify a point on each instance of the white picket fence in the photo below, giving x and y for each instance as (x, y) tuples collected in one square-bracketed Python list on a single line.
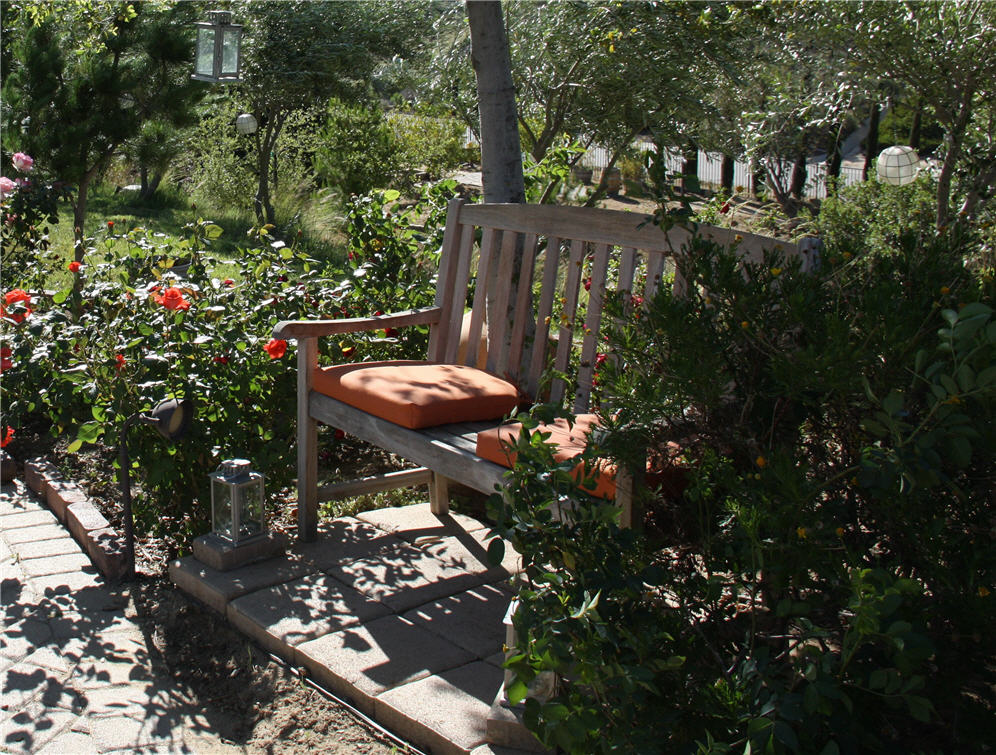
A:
[(710, 170)]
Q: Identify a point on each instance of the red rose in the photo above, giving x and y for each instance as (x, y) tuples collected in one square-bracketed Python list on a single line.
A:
[(600, 360), (276, 348), (390, 332), (587, 284), (74, 266), (224, 359), (228, 282), (348, 351), (110, 225), (339, 434), (5, 359), (119, 361), (16, 296), (725, 208), (7, 435), (172, 298)]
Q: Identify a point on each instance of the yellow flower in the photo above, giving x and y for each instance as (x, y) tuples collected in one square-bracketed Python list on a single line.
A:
[(983, 592), (761, 462), (775, 272), (801, 532)]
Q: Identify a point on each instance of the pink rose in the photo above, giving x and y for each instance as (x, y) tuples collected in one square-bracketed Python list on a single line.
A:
[(22, 162), (6, 186)]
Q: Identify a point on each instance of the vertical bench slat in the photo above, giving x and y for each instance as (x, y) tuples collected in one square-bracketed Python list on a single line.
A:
[(593, 317), (461, 278), (480, 294), (537, 362), (307, 443), (570, 301), (627, 269), (498, 324), (655, 272), (523, 309), (449, 261)]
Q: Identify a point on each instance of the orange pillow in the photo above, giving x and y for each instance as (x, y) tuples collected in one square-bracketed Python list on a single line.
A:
[(492, 444), (419, 394)]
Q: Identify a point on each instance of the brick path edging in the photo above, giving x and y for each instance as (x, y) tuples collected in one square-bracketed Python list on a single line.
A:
[(72, 507)]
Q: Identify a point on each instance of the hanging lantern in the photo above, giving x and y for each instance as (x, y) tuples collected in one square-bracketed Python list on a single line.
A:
[(218, 58), (898, 165), (246, 123), (237, 510)]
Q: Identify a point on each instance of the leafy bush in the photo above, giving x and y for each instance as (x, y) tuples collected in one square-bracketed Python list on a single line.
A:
[(357, 153), (427, 142), (147, 317), (824, 583)]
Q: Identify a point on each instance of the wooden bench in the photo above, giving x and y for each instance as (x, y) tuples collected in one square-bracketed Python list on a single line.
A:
[(546, 268)]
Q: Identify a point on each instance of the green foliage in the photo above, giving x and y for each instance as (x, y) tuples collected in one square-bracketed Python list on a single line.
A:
[(27, 213), (824, 582), (147, 317), (357, 152), (427, 142)]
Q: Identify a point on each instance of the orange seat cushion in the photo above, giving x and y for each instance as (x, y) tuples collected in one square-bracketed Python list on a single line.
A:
[(419, 394), (493, 445)]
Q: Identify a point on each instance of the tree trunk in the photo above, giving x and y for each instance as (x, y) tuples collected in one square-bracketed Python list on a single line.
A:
[(690, 169), (79, 218), (726, 173), (799, 175), (871, 141), (955, 139), (834, 160), (501, 152)]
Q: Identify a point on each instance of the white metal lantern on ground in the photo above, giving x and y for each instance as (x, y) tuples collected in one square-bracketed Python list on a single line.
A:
[(898, 165), (237, 501), (218, 58)]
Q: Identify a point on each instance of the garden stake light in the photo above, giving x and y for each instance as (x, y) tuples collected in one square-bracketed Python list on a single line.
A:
[(172, 419), (218, 59)]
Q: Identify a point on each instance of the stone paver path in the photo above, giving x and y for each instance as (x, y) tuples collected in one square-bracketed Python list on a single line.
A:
[(76, 670)]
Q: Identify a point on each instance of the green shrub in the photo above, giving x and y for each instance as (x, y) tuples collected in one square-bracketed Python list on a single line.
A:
[(357, 152), (824, 583), (425, 142)]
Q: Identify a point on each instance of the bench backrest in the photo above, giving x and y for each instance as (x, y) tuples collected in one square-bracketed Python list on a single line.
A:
[(549, 267)]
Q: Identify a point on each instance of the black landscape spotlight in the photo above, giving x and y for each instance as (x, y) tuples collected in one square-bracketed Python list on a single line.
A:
[(172, 419)]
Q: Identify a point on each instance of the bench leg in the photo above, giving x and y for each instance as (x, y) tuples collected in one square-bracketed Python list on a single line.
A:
[(439, 494), (307, 444)]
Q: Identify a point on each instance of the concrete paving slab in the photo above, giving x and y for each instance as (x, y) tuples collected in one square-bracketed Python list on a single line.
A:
[(44, 548), (413, 522), (343, 540), (67, 583), (471, 620), (26, 519), (216, 588), (294, 612), (15, 500), (69, 742), (125, 699), (445, 712), (405, 577), (22, 638), (32, 727), (468, 551), (125, 732), (67, 563), (364, 661), (53, 531)]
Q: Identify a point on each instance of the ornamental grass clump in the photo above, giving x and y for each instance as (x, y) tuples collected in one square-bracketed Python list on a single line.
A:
[(823, 583)]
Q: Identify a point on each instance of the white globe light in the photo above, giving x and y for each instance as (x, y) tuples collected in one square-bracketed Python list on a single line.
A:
[(898, 165), (246, 124)]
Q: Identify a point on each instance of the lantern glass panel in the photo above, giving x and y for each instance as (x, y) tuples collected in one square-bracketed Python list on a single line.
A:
[(230, 51), (221, 507), (250, 505), (205, 52)]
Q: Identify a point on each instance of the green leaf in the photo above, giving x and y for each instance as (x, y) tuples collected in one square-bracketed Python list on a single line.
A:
[(893, 403), (61, 296), (920, 707), (98, 413), (212, 231), (75, 446), (786, 735), (391, 194), (89, 432), (517, 692), (496, 551)]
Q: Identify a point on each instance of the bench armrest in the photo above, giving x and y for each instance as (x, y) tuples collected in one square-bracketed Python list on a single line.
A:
[(316, 328)]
